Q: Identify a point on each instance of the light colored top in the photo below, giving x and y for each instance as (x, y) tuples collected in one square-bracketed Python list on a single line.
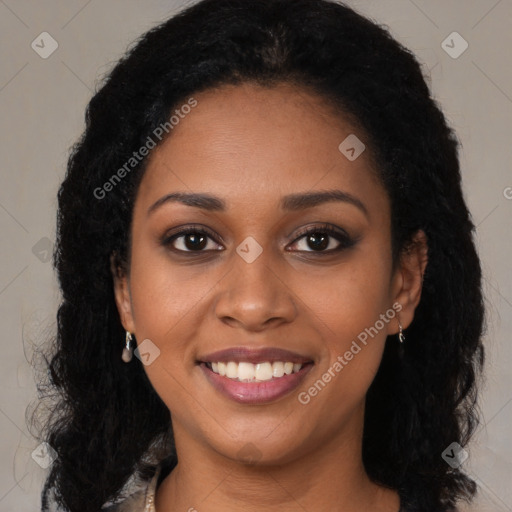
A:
[(141, 500)]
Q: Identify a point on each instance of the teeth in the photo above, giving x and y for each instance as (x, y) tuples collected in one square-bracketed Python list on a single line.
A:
[(248, 372), (278, 369), (232, 370)]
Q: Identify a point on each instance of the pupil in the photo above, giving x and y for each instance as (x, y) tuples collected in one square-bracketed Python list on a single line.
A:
[(315, 237), (191, 241)]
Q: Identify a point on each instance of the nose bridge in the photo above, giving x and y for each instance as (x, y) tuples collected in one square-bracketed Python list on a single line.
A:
[(253, 292)]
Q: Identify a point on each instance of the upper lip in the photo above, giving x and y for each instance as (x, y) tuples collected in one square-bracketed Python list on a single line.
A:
[(254, 355)]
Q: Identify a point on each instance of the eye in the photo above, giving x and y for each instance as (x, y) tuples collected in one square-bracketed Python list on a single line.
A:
[(320, 239), (191, 239)]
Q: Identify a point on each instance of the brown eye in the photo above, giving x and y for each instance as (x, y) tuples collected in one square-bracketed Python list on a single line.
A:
[(318, 241), (192, 240), (322, 239)]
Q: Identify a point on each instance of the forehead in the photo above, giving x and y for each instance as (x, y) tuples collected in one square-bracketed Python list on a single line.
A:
[(249, 143)]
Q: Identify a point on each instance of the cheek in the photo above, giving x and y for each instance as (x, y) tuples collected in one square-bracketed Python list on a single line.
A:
[(351, 296), (165, 307), (349, 311), (164, 294), (170, 304), (162, 304)]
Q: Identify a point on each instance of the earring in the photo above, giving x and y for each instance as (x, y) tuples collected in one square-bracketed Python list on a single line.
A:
[(127, 350), (401, 336)]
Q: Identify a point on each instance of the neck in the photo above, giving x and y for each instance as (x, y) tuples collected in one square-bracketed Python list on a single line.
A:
[(326, 477)]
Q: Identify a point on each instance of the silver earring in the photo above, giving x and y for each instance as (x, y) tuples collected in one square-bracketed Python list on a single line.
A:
[(127, 350), (401, 336)]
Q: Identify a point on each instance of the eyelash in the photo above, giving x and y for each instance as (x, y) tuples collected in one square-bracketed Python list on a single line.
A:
[(345, 241)]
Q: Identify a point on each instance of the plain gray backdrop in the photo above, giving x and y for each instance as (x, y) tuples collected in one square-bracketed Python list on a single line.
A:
[(42, 101)]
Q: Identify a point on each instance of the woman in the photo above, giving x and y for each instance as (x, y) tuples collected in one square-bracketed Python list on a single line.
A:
[(267, 204)]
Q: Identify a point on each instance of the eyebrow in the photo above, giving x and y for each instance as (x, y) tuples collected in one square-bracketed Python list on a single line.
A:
[(292, 202)]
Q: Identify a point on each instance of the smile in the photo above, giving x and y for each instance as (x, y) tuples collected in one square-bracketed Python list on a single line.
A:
[(260, 383)]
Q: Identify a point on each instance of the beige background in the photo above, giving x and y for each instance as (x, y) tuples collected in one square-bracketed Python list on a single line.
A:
[(42, 105)]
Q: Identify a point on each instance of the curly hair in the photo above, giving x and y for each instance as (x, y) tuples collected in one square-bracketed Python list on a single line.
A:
[(421, 400)]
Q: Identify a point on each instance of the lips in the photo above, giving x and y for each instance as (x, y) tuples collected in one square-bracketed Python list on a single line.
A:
[(254, 355), (261, 387), (252, 393)]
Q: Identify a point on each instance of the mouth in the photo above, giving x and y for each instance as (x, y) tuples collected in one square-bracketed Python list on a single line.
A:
[(255, 376)]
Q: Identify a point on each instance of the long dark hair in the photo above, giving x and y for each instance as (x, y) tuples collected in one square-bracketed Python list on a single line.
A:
[(108, 423)]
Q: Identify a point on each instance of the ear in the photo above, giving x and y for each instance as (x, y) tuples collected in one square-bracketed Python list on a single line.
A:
[(408, 278), (122, 293)]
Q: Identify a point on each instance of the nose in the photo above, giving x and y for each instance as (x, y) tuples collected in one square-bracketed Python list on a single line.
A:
[(255, 295)]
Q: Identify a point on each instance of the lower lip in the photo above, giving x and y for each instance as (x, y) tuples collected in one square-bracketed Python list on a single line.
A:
[(255, 392)]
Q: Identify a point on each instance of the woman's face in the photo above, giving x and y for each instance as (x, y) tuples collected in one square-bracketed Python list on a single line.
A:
[(255, 281)]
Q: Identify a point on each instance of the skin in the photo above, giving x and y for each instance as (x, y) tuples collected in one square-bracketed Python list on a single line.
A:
[(251, 146)]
